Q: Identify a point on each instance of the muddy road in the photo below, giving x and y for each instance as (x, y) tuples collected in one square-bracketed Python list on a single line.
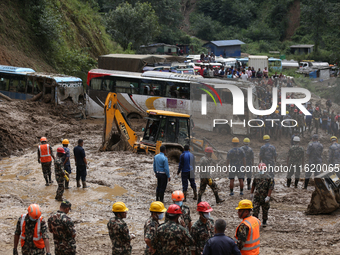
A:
[(128, 177)]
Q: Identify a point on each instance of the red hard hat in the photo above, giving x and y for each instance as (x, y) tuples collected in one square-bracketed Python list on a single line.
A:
[(300, 112), (43, 139), (177, 195), (292, 105), (262, 166), (34, 211), (209, 150), (279, 102), (174, 209), (295, 110), (61, 150), (317, 108), (204, 207)]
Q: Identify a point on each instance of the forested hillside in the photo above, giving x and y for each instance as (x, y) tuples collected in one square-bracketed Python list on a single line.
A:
[(68, 35)]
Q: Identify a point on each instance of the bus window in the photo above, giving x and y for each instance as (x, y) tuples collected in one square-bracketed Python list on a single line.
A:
[(29, 87), (96, 83), (108, 85), (13, 85), (4, 84), (125, 86), (37, 87), (184, 90), (152, 88), (21, 86)]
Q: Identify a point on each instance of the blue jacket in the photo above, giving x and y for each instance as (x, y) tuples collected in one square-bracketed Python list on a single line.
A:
[(160, 164), (221, 245), (186, 162)]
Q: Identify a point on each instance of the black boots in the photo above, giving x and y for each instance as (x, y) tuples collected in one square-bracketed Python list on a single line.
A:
[(161, 197), (157, 196), (248, 183), (218, 199), (78, 184), (195, 194), (296, 183), (84, 185), (199, 200), (306, 183), (66, 184), (185, 196), (289, 181)]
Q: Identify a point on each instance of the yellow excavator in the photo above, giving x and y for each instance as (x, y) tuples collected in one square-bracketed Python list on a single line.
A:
[(170, 129)]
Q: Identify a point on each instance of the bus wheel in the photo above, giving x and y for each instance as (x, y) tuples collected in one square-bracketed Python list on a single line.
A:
[(174, 154), (134, 116)]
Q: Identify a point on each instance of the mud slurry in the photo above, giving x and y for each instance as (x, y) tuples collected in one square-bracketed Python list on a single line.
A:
[(128, 177)]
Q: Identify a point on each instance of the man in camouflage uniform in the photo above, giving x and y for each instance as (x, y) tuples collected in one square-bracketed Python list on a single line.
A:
[(301, 122), (205, 162), (60, 173), (63, 230), (203, 228), (268, 155), (316, 118), (295, 160), (249, 155), (119, 232), (157, 210), (314, 153), (185, 218), (235, 159), (263, 186), (171, 238), (334, 154), (30, 221)]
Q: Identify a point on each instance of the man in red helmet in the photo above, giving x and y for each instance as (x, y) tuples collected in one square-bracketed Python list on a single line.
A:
[(316, 119), (32, 231), (60, 173), (45, 155), (203, 228), (205, 162), (172, 238)]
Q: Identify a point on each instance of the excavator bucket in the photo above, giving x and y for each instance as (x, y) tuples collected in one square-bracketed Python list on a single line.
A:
[(325, 198), (117, 135)]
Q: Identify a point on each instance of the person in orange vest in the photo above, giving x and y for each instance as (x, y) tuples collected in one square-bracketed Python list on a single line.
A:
[(248, 232), (45, 155), (32, 231)]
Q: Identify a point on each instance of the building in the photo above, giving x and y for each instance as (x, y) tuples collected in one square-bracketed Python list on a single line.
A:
[(159, 48), (301, 48), (225, 48)]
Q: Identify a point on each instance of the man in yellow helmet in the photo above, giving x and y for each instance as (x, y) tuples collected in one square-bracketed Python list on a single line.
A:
[(248, 232), (236, 159), (67, 164), (157, 210), (118, 230)]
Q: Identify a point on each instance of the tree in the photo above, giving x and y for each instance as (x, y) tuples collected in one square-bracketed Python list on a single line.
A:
[(137, 25)]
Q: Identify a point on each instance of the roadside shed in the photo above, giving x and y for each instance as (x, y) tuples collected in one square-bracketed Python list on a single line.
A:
[(302, 48), (225, 48)]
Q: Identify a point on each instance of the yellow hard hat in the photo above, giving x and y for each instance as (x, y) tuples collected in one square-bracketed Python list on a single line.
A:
[(277, 106), (235, 140), (334, 138), (266, 137), (277, 111), (119, 207), (65, 141), (246, 140), (244, 204), (287, 112), (157, 207)]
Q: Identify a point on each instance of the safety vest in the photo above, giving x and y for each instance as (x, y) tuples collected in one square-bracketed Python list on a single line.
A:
[(45, 155), (37, 237), (252, 244)]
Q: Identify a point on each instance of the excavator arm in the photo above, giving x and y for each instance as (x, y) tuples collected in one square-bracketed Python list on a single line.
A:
[(122, 137)]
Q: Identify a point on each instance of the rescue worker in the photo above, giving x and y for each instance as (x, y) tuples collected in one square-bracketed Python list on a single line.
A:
[(263, 186), (67, 164), (205, 162), (81, 163), (296, 133), (295, 117), (157, 210), (235, 159), (301, 122), (314, 154), (334, 153), (268, 155), (203, 228), (295, 159), (249, 155), (220, 244), (248, 232), (161, 170), (185, 218), (309, 119), (59, 173), (45, 155), (316, 119), (118, 230), (172, 238), (187, 167), (62, 228), (31, 229)]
